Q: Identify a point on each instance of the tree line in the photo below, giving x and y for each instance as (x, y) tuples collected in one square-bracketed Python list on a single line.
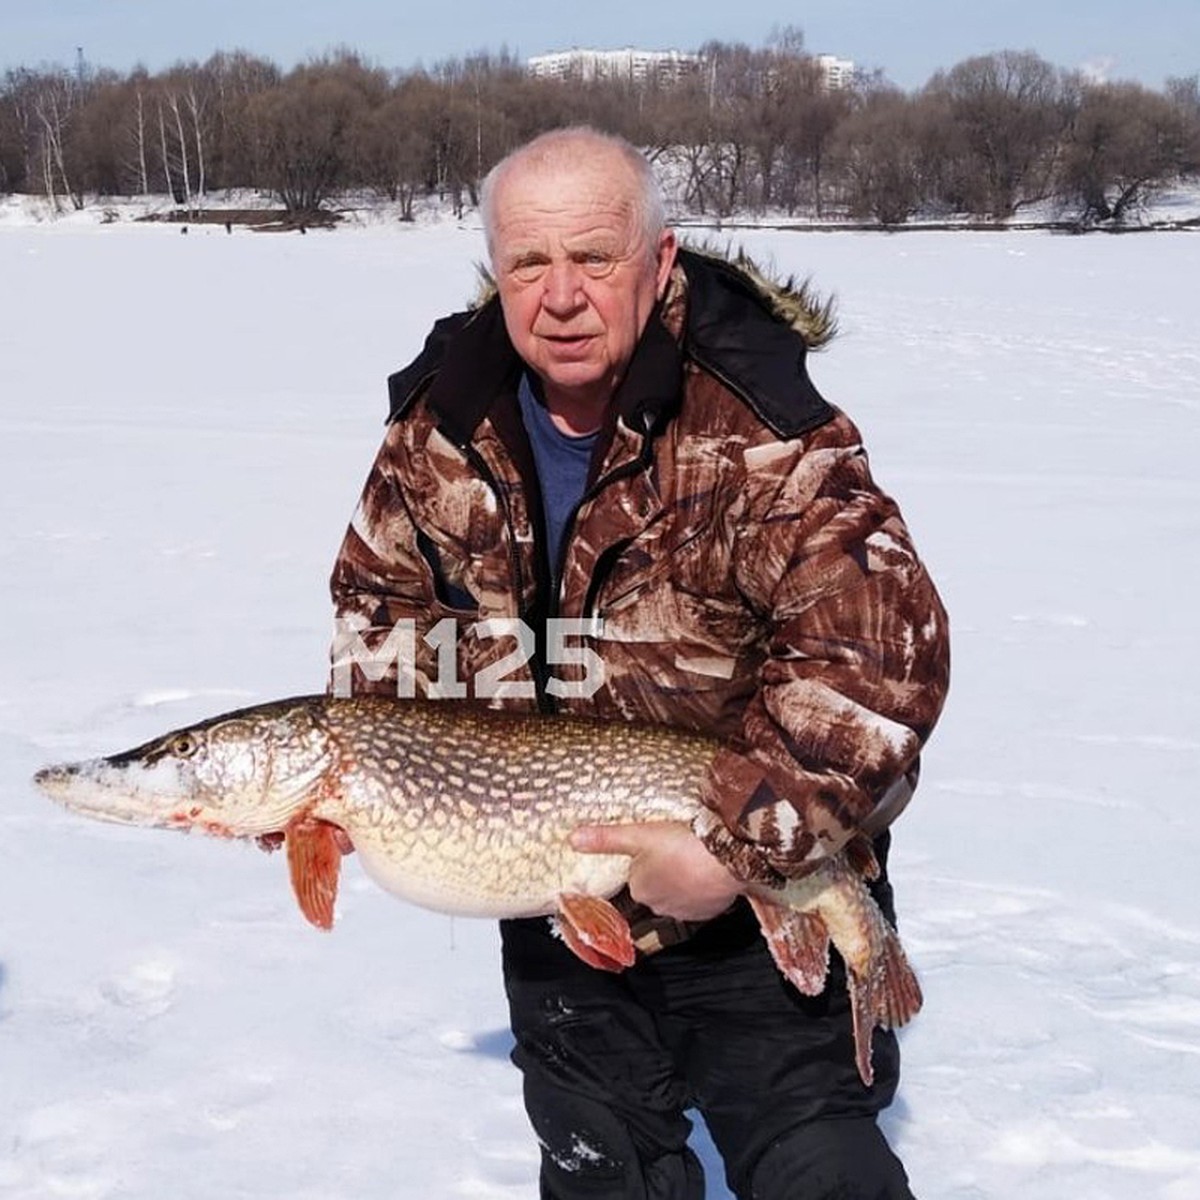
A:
[(751, 130)]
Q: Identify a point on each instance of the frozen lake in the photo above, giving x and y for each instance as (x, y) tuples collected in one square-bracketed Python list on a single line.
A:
[(185, 423)]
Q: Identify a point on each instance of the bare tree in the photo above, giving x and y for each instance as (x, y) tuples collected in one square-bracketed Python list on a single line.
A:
[(878, 148), (18, 134), (817, 113), (397, 148), (174, 121), (753, 128), (141, 141), (480, 117), (1126, 142), (237, 140), (1008, 116), (54, 104), (308, 126), (710, 129), (1184, 94), (196, 100)]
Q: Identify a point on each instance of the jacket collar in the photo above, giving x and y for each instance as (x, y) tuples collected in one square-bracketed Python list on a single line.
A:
[(733, 333), (480, 364), (728, 329)]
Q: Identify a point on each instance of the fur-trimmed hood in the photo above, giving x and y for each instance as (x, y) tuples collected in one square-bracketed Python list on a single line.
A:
[(792, 301), (751, 333)]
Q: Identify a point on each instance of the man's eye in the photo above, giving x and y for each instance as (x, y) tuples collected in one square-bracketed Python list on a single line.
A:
[(597, 264), (528, 270)]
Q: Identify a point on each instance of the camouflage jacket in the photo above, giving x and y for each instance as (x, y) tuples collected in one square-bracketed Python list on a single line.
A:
[(749, 578)]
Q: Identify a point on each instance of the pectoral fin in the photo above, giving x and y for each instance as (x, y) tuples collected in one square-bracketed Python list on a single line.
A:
[(596, 932), (314, 860)]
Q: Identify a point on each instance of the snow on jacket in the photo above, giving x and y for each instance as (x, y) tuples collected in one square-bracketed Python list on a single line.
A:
[(750, 579)]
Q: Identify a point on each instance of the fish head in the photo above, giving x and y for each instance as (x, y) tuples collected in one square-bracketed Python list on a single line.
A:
[(244, 774)]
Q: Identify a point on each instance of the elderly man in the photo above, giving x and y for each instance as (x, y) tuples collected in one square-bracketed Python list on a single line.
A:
[(625, 435)]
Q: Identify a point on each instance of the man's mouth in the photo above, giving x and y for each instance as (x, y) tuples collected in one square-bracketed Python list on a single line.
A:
[(569, 342)]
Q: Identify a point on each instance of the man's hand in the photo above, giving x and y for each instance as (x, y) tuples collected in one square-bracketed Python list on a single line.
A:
[(672, 872)]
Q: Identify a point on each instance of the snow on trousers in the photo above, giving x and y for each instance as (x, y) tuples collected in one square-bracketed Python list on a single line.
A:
[(611, 1062)]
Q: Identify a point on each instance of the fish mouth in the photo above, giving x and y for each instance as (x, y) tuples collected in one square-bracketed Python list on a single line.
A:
[(48, 776), (72, 785), (80, 788), (57, 782)]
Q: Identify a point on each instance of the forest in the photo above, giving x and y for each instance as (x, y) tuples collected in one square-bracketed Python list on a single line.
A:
[(750, 131)]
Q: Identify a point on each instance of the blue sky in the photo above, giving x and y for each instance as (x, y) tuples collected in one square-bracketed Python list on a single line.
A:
[(1147, 41)]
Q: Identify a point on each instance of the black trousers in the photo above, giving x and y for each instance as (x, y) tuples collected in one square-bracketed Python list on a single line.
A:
[(610, 1062)]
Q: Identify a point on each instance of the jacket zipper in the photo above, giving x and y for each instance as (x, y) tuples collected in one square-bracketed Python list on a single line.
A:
[(545, 701), (539, 667), (624, 472)]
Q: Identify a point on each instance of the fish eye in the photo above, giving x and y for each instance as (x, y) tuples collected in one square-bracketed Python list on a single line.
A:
[(184, 745)]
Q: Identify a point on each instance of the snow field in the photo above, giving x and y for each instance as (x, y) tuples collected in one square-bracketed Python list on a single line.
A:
[(184, 426)]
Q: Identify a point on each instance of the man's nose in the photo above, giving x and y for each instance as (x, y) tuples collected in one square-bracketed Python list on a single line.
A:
[(563, 291)]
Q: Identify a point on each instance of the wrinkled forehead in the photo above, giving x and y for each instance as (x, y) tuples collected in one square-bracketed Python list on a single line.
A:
[(568, 200)]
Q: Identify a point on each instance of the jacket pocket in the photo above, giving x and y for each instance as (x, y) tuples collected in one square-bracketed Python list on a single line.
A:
[(640, 566), (450, 596)]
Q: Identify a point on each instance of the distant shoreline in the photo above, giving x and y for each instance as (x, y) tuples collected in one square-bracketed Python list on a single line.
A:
[(17, 210), (1067, 227)]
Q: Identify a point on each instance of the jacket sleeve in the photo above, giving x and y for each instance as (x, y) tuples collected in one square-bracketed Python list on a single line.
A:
[(858, 662), (379, 581)]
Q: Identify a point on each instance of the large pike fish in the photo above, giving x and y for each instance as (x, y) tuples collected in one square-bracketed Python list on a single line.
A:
[(469, 812)]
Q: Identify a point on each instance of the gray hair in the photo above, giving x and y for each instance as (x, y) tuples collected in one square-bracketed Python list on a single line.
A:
[(564, 147)]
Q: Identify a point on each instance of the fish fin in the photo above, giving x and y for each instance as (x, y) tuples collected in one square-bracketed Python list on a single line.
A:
[(861, 854), (888, 995), (595, 931), (798, 941), (314, 860)]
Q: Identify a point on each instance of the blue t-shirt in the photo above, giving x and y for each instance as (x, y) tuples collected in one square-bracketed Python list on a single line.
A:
[(562, 463)]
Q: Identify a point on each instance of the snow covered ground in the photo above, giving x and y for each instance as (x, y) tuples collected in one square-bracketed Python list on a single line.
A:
[(184, 426)]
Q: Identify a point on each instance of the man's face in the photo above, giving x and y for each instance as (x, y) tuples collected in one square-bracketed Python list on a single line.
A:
[(577, 279)]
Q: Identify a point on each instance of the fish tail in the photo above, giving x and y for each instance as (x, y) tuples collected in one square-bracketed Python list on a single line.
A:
[(833, 905), (883, 992)]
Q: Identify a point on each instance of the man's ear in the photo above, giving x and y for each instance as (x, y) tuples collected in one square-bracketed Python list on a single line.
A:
[(666, 250)]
